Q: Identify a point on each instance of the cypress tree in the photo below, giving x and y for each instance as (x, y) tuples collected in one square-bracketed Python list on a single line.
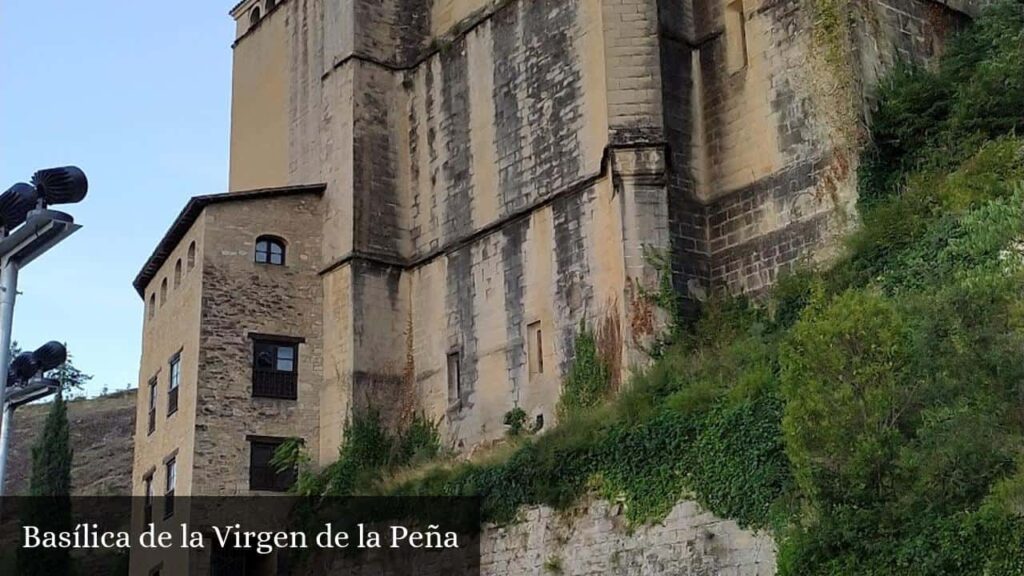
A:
[(49, 504)]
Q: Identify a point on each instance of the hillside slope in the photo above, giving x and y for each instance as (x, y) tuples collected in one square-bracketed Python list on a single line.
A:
[(101, 437)]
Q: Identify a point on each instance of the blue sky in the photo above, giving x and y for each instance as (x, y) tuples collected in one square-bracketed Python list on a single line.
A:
[(136, 93)]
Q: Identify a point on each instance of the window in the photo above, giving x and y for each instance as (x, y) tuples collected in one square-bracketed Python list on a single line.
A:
[(275, 367), (269, 250), (169, 493), (735, 36), (152, 304), (454, 378), (172, 384), (152, 405), (262, 474), (147, 503), (535, 342), (254, 16), (192, 255), (163, 292), (177, 273), (270, 5)]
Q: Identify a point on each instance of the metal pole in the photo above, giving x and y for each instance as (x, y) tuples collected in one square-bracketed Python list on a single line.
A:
[(8, 292)]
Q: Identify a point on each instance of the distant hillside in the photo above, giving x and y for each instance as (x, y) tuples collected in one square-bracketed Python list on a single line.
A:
[(101, 436)]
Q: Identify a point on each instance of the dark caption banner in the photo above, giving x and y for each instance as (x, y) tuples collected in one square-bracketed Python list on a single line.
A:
[(239, 536)]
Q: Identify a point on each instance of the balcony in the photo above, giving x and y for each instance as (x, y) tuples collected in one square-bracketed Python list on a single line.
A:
[(275, 384)]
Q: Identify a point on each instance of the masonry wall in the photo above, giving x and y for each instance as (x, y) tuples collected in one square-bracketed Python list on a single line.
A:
[(500, 119), (444, 131), (240, 298), (260, 104), (557, 267), (512, 219), (594, 540), (774, 141), (171, 327)]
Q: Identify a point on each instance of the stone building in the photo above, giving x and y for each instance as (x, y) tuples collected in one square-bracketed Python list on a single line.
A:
[(428, 197)]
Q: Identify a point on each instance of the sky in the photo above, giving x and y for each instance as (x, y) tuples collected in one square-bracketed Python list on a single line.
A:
[(136, 93)]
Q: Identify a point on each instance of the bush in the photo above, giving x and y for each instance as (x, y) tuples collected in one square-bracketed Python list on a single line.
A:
[(846, 383), (515, 420)]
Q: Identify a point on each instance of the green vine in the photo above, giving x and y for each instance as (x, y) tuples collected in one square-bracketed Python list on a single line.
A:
[(589, 380)]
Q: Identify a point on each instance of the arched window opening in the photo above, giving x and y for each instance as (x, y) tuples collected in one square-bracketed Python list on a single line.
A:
[(192, 255), (177, 273), (255, 16), (270, 5), (152, 304), (269, 250), (163, 292)]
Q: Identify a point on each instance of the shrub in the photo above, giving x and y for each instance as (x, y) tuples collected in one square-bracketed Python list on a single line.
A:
[(515, 420)]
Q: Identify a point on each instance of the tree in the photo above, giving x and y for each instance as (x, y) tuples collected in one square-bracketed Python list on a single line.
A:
[(69, 376), (49, 507)]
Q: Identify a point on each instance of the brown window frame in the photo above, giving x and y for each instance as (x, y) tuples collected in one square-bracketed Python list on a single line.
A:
[(151, 427), (173, 383), (147, 502), (263, 476), (268, 380), (170, 484)]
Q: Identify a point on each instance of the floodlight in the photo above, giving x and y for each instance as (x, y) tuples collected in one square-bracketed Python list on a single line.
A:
[(50, 355), (15, 204), (28, 364), (23, 367), (64, 185)]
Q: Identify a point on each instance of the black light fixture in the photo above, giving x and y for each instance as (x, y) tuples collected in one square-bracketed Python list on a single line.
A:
[(64, 185), (28, 365), (16, 203)]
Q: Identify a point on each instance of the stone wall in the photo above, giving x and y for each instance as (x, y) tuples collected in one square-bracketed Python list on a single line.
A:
[(171, 327), (594, 540), (242, 298), (552, 269), (764, 150)]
